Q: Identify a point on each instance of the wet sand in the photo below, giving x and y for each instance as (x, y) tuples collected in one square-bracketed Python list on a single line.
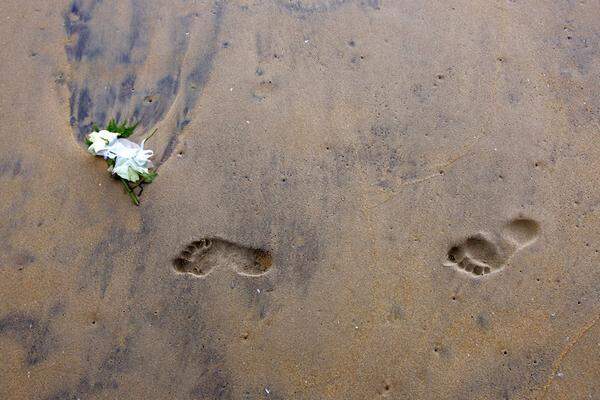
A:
[(356, 199)]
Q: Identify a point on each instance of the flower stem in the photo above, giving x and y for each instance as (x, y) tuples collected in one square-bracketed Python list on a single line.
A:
[(152, 134), (134, 198)]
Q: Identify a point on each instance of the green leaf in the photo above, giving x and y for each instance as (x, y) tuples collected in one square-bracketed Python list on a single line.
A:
[(127, 130), (112, 126), (149, 177), (95, 127), (88, 142), (122, 129)]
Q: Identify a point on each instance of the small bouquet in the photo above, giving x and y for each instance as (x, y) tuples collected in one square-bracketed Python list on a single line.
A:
[(126, 159)]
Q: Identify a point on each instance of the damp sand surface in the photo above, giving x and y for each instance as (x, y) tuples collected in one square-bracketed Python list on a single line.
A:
[(356, 199)]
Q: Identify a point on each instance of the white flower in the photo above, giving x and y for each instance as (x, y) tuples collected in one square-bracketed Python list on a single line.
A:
[(131, 159), (101, 141)]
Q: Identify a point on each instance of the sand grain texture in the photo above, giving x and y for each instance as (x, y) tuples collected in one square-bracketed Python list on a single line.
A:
[(357, 199)]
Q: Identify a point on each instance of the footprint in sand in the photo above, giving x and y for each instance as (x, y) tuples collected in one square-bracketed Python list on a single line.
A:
[(483, 253), (201, 257)]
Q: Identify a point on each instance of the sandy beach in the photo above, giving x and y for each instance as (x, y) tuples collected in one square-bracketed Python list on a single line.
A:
[(356, 199)]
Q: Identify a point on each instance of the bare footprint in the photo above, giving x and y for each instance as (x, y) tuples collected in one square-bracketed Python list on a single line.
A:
[(521, 232), (202, 256), (482, 254), (477, 255), (191, 260)]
